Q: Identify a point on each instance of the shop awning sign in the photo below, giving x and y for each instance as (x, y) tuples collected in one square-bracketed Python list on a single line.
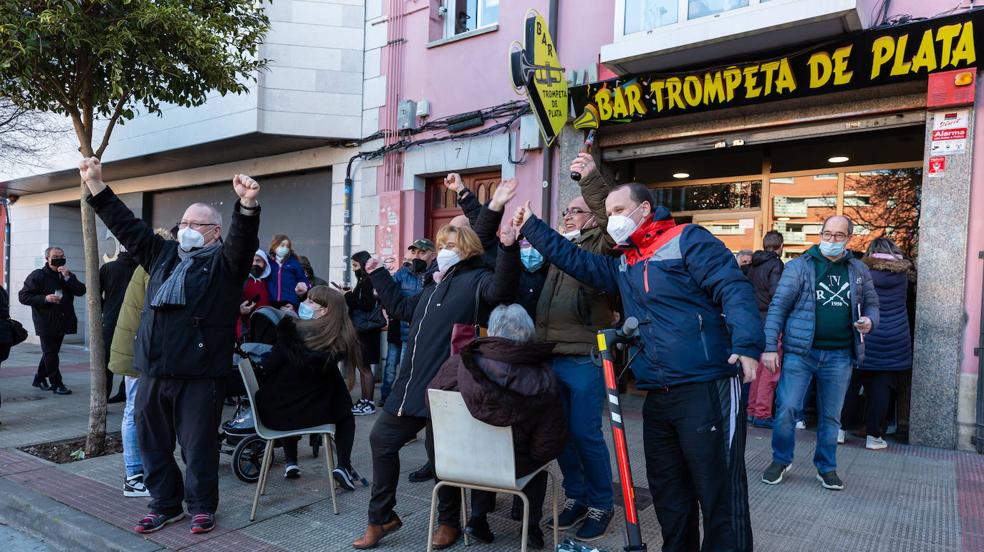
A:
[(868, 58), (536, 70)]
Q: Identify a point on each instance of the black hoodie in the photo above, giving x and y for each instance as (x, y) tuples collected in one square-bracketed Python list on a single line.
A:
[(764, 272)]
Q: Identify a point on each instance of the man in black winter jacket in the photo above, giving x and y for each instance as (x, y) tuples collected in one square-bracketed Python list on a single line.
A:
[(50, 292), (185, 341), (114, 278)]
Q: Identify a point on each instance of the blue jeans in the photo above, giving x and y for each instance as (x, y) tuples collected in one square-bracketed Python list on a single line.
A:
[(131, 447), (585, 462), (394, 353), (832, 371)]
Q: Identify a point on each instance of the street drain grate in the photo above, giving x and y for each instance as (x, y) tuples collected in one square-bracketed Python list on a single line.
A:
[(24, 398)]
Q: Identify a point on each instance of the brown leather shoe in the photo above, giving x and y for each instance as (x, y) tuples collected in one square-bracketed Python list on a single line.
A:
[(375, 533), (445, 537)]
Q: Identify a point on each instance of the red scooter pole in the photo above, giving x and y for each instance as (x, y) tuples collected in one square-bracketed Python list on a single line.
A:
[(608, 339)]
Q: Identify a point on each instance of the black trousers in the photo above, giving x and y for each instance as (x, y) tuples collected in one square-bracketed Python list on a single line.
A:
[(48, 367), (388, 436), (482, 502), (694, 439), (877, 386), (188, 411), (344, 440)]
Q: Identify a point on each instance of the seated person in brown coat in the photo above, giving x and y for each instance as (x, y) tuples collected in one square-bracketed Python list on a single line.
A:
[(506, 380), (300, 385)]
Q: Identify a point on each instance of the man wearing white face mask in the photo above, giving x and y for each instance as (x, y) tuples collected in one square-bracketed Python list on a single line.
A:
[(184, 342), (701, 332), (825, 303)]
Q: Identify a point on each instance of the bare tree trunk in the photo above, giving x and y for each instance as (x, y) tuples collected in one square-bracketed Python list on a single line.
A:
[(95, 441)]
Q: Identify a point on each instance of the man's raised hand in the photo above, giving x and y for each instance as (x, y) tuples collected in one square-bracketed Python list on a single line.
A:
[(522, 215), (508, 235), (453, 182), (247, 189), (504, 192), (90, 170), (583, 164)]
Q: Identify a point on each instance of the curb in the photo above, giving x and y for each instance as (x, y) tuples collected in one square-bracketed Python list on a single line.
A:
[(62, 526)]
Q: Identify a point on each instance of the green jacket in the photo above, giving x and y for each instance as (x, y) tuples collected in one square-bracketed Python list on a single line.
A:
[(121, 349), (570, 313)]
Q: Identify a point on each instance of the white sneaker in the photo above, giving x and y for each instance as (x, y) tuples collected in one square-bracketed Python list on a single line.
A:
[(800, 425), (292, 471), (841, 436), (875, 443), (133, 487)]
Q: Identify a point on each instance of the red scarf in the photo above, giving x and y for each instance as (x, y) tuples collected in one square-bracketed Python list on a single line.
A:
[(649, 237)]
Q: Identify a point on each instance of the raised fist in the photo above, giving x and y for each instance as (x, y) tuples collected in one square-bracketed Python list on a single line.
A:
[(453, 182), (508, 235), (522, 215), (583, 164), (90, 170), (247, 189)]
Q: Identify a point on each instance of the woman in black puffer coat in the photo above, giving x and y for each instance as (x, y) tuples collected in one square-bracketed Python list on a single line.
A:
[(888, 349), (447, 300), (300, 385), (368, 319)]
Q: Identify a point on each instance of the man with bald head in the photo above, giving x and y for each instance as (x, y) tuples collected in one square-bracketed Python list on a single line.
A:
[(184, 343), (824, 305)]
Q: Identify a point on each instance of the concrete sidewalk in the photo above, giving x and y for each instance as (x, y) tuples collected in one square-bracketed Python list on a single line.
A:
[(900, 499)]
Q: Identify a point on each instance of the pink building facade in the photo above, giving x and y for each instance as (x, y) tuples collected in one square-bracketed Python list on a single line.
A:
[(449, 57)]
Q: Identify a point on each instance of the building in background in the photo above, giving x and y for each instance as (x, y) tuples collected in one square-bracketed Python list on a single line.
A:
[(397, 93)]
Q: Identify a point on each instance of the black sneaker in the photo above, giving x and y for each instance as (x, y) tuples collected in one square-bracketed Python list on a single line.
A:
[(773, 474), (535, 538), (292, 471), (41, 384), (423, 473), (479, 529), (348, 477), (61, 390), (153, 522), (133, 487), (202, 523), (595, 524), (572, 514), (830, 481)]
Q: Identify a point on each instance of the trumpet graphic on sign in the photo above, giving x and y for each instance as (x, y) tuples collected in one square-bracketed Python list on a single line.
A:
[(536, 71)]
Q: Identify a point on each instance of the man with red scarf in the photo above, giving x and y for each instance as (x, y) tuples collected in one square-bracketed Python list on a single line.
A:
[(701, 337)]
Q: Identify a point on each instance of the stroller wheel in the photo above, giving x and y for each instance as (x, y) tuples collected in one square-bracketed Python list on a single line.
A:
[(315, 441), (247, 459)]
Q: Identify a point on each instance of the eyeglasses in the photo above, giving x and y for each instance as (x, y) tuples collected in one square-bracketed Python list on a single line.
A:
[(195, 225), (837, 237), (573, 212)]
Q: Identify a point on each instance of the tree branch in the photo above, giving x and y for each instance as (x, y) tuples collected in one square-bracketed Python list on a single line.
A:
[(117, 112)]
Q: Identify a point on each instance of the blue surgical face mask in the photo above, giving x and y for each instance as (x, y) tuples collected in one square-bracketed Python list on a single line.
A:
[(305, 311), (832, 249), (531, 258)]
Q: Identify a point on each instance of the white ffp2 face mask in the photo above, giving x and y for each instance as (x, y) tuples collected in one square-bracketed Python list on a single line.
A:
[(621, 227), (189, 238), (446, 259)]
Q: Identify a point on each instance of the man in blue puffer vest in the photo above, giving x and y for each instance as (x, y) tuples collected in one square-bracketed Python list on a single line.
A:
[(824, 305), (701, 334)]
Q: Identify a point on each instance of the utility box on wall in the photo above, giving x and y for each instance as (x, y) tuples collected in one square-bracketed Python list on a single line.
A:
[(406, 115), (529, 133)]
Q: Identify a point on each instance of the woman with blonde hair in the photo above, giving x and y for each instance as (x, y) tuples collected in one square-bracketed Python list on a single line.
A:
[(300, 385), (452, 303)]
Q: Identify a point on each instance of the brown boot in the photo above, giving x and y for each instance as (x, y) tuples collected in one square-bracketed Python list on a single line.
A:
[(445, 537), (375, 533)]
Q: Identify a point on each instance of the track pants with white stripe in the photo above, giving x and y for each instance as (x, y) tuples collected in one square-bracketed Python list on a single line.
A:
[(695, 461)]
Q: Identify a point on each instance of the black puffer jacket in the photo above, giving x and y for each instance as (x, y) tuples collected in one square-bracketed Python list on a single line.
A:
[(510, 384), (52, 318), (194, 341), (432, 315), (114, 277), (300, 387), (764, 272)]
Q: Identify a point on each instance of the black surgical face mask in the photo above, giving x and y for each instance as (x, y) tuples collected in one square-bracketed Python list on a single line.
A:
[(58, 262), (256, 271), (419, 265)]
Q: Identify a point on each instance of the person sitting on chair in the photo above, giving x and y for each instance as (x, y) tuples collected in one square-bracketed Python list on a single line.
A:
[(506, 380), (300, 385)]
